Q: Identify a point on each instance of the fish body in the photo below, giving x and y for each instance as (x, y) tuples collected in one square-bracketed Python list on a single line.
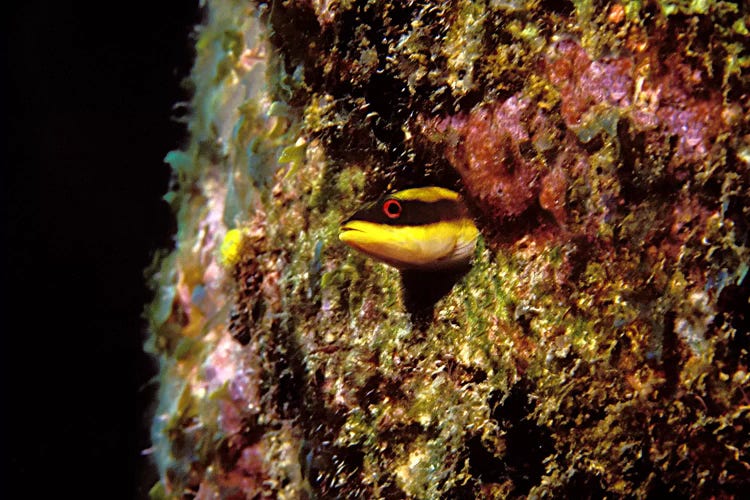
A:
[(426, 228)]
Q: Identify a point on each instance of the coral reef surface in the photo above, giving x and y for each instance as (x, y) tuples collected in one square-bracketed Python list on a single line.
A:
[(599, 346)]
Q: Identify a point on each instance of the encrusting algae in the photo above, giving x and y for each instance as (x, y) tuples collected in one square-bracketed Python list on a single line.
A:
[(599, 343)]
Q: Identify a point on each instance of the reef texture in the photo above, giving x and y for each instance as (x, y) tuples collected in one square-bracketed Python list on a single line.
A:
[(600, 344)]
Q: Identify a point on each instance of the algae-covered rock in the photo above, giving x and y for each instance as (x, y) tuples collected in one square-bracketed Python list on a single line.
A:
[(599, 345)]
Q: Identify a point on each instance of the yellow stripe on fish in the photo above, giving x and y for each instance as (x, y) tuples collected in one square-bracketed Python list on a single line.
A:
[(425, 228)]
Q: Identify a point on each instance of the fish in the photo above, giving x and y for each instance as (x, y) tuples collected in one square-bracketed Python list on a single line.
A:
[(426, 228)]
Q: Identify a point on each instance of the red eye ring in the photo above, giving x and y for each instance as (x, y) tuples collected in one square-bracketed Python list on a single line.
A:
[(392, 209)]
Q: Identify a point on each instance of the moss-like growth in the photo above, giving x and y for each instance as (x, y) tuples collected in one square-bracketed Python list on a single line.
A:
[(599, 344)]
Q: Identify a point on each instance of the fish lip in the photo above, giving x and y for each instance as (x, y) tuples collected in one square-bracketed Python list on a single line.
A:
[(346, 227), (346, 232)]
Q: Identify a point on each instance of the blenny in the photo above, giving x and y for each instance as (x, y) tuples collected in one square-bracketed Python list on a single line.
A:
[(427, 228)]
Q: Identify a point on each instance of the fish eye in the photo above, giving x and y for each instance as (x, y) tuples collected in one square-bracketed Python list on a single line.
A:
[(392, 209)]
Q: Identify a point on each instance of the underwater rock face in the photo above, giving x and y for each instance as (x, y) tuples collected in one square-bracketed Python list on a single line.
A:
[(598, 346)]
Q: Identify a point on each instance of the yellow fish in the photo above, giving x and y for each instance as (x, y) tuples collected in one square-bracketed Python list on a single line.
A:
[(426, 228)]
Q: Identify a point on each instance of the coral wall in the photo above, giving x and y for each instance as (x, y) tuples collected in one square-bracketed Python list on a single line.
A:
[(600, 343)]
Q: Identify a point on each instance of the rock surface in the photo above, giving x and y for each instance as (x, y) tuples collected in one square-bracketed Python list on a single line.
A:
[(598, 346)]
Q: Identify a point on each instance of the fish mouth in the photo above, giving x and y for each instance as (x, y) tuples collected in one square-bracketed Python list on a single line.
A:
[(349, 227), (358, 235)]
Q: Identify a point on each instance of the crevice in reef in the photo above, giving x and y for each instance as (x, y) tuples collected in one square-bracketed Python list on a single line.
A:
[(525, 444), (670, 355), (423, 289)]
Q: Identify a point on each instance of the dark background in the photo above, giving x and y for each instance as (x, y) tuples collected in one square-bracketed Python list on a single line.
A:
[(87, 93)]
